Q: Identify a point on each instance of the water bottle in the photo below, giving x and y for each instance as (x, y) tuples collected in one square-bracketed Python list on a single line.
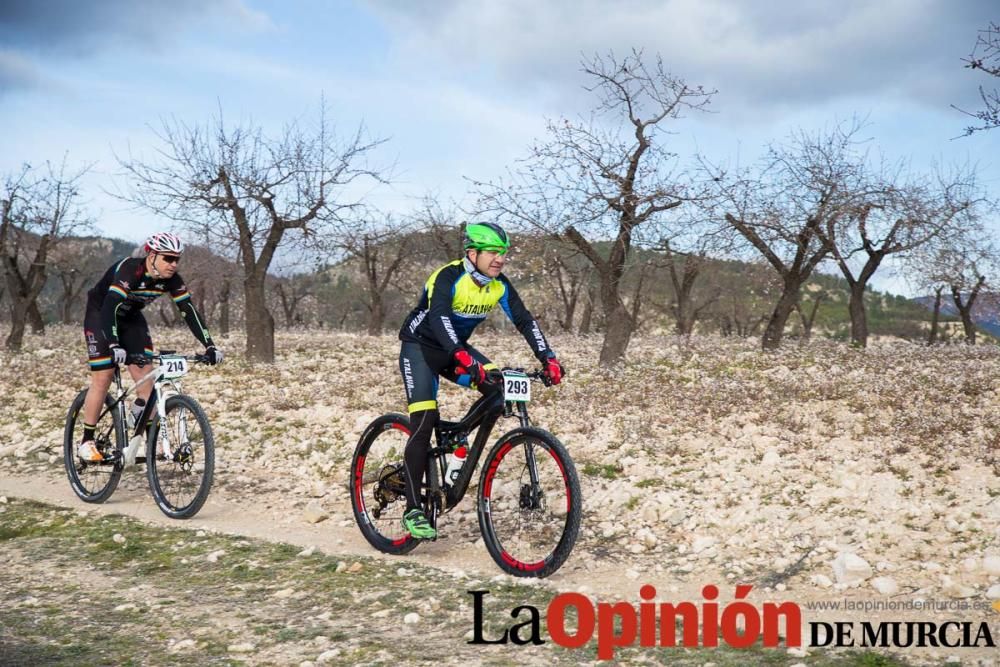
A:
[(454, 466)]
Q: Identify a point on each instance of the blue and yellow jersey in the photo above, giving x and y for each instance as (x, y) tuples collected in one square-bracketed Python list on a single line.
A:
[(452, 305), (126, 288)]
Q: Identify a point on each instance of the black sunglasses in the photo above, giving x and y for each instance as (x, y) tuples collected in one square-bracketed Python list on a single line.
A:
[(170, 259)]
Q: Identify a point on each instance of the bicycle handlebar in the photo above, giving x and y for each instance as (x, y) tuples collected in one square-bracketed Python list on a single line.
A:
[(141, 360)]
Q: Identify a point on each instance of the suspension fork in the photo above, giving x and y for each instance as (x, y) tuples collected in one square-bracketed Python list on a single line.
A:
[(529, 453), (161, 408)]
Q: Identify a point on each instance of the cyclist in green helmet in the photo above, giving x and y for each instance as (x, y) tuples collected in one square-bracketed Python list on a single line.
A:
[(455, 300)]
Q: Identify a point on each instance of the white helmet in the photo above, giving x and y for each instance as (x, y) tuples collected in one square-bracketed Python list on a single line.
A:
[(164, 242)]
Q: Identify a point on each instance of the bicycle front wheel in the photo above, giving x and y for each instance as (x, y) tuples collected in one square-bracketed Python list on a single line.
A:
[(378, 484), (93, 482), (181, 481), (529, 503)]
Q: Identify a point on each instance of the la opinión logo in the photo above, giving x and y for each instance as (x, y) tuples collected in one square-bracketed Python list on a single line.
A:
[(739, 624), (619, 624)]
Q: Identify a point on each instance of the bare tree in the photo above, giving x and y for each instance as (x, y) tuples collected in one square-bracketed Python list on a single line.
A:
[(76, 263), (251, 194), (378, 244), (808, 319), (932, 335), (606, 176), (800, 189), (292, 291), (963, 263), (985, 57), (894, 217), (37, 213)]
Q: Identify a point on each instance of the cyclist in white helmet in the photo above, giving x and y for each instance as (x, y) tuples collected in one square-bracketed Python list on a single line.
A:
[(115, 327)]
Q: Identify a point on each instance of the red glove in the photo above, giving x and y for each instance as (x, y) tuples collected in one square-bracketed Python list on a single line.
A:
[(553, 370), (468, 365)]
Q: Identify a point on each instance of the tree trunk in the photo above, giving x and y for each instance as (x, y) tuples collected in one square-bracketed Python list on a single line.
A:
[(859, 319), (932, 337), (35, 317), (224, 307), (19, 319), (969, 326), (376, 315), (588, 312), (619, 324), (66, 308), (779, 317), (617, 334), (259, 324), (965, 309)]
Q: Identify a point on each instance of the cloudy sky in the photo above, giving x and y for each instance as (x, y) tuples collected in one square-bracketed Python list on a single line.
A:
[(461, 87)]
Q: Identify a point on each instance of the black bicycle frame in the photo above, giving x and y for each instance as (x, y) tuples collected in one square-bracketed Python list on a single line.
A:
[(483, 414)]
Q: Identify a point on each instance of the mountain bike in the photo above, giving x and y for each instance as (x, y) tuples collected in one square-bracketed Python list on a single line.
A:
[(179, 446), (528, 498)]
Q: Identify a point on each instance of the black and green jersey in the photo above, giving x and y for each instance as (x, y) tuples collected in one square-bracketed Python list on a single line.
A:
[(452, 305)]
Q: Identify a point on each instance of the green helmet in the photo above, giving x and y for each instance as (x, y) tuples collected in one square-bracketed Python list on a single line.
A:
[(486, 236)]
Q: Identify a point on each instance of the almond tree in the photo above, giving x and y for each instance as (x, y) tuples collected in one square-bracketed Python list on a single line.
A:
[(608, 176), (964, 263), (895, 217), (378, 244), (38, 211), (250, 194), (782, 206)]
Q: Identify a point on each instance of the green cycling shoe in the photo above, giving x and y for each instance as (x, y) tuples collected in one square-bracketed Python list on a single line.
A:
[(417, 525)]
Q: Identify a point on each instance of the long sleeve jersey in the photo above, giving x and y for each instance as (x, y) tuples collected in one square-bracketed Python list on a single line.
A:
[(126, 288), (452, 305)]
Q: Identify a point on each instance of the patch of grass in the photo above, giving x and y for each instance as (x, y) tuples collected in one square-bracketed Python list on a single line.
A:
[(650, 483), (605, 470)]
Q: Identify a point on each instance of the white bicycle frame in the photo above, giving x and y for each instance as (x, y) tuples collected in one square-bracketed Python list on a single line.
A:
[(164, 388)]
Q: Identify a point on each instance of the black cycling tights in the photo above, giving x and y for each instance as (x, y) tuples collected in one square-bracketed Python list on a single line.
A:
[(415, 456)]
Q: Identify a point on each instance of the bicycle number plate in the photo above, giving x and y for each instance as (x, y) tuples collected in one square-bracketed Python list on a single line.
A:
[(174, 367), (516, 387)]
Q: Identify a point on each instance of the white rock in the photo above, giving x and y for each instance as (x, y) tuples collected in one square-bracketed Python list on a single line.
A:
[(118, 538), (341, 566), (317, 490), (885, 585), (632, 574), (991, 565), (798, 652), (970, 564), (3, 500), (771, 458), (128, 606), (313, 513), (327, 656), (956, 589), (411, 618), (215, 556), (994, 592), (849, 569), (821, 580), (677, 517), (245, 647), (183, 645), (702, 543), (285, 593), (308, 551)]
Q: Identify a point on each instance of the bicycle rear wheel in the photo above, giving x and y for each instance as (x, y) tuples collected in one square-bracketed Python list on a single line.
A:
[(93, 482), (378, 485), (529, 503), (180, 484)]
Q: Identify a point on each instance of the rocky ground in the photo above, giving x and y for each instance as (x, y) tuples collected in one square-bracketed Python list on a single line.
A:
[(819, 473)]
